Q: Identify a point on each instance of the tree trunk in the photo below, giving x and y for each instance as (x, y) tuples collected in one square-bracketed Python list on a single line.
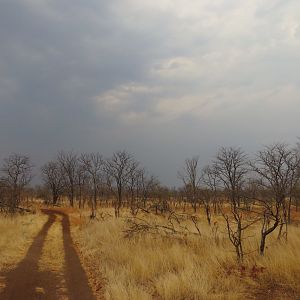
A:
[(262, 244), (289, 210), (207, 210)]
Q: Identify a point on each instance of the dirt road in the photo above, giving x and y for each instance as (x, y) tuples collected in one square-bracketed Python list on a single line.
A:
[(28, 281)]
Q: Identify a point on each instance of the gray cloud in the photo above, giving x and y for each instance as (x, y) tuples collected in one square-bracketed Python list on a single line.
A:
[(164, 80)]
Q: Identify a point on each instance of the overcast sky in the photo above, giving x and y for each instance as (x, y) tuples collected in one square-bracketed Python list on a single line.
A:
[(163, 79)]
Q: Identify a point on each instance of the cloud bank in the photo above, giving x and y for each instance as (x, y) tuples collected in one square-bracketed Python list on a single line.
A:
[(162, 79)]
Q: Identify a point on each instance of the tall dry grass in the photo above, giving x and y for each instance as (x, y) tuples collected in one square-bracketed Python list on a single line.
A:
[(187, 267), (16, 236)]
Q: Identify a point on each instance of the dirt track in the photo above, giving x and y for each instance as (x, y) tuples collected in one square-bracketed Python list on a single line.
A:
[(28, 282)]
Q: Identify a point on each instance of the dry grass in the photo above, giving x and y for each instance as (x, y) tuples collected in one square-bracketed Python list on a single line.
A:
[(17, 234), (281, 278), (191, 267), (156, 266)]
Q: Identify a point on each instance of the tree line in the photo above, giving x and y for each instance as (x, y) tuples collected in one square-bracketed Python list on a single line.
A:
[(247, 191), (82, 179), (244, 191)]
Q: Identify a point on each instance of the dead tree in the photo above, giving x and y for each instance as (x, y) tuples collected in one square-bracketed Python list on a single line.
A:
[(69, 163), (276, 167), (5, 197), (170, 226), (133, 186), (141, 189), (230, 167), (209, 191), (148, 186), (82, 183), (17, 174), (118, 169), (93, 164), (161, 200), (190, 176), (53, 179)]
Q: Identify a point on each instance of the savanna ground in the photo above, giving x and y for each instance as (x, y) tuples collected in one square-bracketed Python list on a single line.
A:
[(96, 260), (39, 259)]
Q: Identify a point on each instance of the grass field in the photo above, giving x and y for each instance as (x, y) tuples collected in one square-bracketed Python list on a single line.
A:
[(158, 266), (16, 236)]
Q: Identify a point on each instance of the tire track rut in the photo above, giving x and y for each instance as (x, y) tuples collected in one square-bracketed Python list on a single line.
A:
[(26, 281)]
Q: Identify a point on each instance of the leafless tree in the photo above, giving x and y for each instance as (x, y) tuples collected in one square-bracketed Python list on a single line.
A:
[(118, 169), (82, 184), (230, 168), (69, 163), (53, 179), (145, 186), (190, 175), (133, 186), (161, 197), (17, 174), (209, 191), (5, 196), (148, 186), (277, 169), (93, 163)]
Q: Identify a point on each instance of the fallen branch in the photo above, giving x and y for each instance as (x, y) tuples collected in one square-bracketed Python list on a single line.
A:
[(137, 225)]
